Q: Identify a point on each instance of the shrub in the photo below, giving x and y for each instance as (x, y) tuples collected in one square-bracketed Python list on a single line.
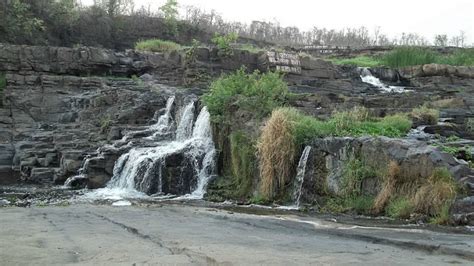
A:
[(425, 115), (223, 43), (277, 151), (399, 208), (257, 93), (157, 45)]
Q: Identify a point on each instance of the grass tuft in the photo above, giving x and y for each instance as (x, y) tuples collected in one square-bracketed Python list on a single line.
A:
[(425, 115), (441, 189), (399, 208), (156, 45), (277, 151)]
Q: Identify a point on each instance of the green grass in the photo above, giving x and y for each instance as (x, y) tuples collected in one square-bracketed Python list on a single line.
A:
[(399, 208), (359, 204), (411, 56), (361, 61), (354, 173), (156, 45), (244, 163), (343, 124), (443, 217)]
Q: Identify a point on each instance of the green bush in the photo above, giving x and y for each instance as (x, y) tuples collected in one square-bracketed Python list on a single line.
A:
[(157, 45), (257, 93), (223, 43), (399, 208)]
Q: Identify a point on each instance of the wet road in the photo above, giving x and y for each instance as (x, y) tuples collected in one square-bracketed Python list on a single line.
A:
[(174, 234)]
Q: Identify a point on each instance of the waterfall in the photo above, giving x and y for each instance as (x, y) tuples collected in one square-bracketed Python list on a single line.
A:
[(185, 126), (368, 78), (182, 164), (300, 173)]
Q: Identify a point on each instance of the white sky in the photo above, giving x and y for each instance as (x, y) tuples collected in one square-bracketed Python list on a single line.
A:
[(426, 17)]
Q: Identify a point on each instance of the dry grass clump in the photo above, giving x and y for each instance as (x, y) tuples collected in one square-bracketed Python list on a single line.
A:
[(440, 189), (447, 103), (389, 187), (276, 149), (400, 196), (425, 115)]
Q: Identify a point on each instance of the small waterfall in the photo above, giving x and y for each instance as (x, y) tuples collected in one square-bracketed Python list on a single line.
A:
[(368, 78), (300, 173), (203, 134), (185, 126), (190, 153)]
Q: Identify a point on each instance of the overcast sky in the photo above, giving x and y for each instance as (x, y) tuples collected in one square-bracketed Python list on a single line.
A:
[(426, 17)]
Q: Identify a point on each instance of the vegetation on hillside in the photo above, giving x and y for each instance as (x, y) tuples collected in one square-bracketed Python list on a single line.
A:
[(258, 93), (411, 56), (288, 129), (156, 45)]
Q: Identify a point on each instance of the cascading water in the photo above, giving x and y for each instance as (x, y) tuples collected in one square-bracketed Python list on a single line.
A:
[(368, 78), (180, 165), (300, 173)]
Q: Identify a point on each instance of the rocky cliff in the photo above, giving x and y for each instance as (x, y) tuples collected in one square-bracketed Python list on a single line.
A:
[(61, 104)]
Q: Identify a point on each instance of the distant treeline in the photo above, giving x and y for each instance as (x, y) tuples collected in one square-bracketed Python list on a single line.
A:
[(119, 24)]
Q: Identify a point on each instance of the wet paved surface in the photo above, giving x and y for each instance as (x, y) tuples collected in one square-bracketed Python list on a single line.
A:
[(88, 234)]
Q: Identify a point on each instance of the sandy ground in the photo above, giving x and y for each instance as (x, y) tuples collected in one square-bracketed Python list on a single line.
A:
[(175, 234)]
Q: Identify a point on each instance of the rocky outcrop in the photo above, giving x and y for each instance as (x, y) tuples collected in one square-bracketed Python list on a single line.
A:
[(430, 70), (330, 157)]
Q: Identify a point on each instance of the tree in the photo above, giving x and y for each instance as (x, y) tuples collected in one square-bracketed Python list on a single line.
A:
[(170, 12), (19, 22), (441, 40)]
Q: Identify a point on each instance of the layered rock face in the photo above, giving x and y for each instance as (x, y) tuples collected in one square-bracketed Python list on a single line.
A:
[(61, 104), (54, 114)]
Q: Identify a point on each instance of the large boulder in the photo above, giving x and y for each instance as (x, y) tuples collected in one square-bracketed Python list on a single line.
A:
[(330, 157)]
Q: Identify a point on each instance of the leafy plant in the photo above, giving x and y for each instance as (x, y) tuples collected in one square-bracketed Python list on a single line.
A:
[(256, 92), (223, 43), (170, 12)]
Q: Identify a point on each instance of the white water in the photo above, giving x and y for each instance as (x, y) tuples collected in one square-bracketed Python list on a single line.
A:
[(140, 170), (367, 77), (300, 173)]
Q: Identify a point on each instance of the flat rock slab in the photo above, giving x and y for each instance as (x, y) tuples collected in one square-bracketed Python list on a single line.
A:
[(173, 234)]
